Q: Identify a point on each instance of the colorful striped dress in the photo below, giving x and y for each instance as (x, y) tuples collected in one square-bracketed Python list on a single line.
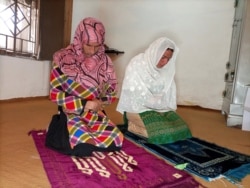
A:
[(75, 80)]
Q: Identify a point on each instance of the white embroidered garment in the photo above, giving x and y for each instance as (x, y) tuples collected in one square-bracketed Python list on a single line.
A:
[(146, 87)]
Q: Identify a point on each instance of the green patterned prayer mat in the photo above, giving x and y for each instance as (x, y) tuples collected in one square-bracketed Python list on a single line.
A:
[(166, 127)]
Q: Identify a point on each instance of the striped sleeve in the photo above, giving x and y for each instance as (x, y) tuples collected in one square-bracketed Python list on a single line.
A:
[(67, 93)]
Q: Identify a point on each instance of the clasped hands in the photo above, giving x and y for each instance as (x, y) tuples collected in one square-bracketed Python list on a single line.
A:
[(95, 105)]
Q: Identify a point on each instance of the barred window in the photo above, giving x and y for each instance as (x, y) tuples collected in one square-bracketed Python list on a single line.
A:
[(19, 27), (34, 28)]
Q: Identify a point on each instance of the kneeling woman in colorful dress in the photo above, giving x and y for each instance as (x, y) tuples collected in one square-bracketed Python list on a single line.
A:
[(148, 95), (82, 82)]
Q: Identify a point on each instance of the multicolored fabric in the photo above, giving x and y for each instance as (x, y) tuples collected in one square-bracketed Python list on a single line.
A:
[(68, 93), (89, 127), (146, 87), (75, 79), (163, 128)]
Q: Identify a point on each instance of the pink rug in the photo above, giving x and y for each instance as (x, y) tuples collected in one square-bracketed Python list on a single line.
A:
[(132, 167)]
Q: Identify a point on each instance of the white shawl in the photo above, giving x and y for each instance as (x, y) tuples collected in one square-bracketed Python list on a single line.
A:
[(146, 87)]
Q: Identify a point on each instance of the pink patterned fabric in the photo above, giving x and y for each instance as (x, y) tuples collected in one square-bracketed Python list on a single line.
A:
[(91, 71), (132, 167)]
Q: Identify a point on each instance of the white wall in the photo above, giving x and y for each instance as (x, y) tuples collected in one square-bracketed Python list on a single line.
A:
[(21, 78), (82, 9), (201, 28)]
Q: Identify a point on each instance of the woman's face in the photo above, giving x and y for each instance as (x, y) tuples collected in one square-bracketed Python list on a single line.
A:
[(91, 48), (165, 58)]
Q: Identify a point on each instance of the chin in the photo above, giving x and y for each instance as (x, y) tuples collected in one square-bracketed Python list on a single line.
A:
[(88, 55)]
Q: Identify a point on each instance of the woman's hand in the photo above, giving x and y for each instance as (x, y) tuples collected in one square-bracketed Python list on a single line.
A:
[(95, 105)]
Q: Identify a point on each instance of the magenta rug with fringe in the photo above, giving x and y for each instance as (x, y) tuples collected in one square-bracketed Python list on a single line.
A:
[(132, 167)]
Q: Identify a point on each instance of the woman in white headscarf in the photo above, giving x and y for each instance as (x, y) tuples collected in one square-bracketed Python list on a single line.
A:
[(148, 95)]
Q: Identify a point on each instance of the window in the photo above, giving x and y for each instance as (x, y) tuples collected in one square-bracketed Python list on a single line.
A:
[(34, 28), (19, 26)]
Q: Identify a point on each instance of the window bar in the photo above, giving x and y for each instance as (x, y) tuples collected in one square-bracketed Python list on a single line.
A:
[(37, 32), (15, 28), (30, 21), (6, 42), (21, 47)]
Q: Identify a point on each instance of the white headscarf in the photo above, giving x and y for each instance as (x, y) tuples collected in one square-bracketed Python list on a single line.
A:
[(146, 87)]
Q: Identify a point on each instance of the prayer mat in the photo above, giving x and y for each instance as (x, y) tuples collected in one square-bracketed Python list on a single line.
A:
[(131, 167), (204, 159)]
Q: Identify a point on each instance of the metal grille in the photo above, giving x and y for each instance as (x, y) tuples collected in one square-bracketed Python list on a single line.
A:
[(19, 27)]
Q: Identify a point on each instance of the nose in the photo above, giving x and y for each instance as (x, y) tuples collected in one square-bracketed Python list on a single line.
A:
[(165, 60), (92, 50)]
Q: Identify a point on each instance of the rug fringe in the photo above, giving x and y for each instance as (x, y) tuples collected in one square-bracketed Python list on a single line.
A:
[(215, 178), (236, 175)]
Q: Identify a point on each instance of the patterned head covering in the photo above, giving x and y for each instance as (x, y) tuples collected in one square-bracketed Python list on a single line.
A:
[(90, 71), (146, 87), (90, 30)]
